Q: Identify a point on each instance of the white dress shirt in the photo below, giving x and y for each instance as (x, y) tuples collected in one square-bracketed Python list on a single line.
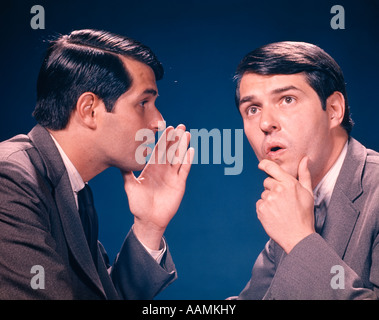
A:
[(324, 190), (78, 184)]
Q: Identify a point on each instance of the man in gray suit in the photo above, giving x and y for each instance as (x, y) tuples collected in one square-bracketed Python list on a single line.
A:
[(95, 91), (320, 203)]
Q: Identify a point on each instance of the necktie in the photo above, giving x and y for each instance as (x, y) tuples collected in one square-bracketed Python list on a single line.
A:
[(320, 215), (88, 216)]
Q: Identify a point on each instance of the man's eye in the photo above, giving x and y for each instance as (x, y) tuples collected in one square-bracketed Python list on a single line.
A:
[(252, 110), (143, 103), (288, 100)]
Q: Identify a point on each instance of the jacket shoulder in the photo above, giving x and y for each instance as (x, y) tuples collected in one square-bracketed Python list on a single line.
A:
[(371, 170), (14, 149), (373, 158), (15, 162)]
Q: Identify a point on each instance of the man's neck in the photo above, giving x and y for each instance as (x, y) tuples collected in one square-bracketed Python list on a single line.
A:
[(79, 153), (336, 149), (324, 189)]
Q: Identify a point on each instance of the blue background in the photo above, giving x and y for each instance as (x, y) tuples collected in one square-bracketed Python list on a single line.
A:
[(215, 236)]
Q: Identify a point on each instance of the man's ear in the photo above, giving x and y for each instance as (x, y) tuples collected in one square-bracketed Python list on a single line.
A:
[(86, 109), (335, 106)]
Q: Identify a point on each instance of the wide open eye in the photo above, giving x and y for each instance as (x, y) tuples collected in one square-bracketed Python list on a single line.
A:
[(288, 100), (252, 110)]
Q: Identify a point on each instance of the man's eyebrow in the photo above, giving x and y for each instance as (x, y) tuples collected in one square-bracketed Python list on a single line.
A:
[(284, 89), (151, 91), (275, 91), (247, 99)]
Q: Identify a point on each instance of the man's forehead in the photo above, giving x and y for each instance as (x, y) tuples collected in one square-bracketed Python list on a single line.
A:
[(143, 77), (250, 78), (255, 86), (138, 68), (271, 84)]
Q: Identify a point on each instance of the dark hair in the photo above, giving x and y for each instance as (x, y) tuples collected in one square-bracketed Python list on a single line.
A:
[(322, 72), (86, 60)]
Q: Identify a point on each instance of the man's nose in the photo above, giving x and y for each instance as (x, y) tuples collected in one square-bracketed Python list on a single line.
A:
[(269, 120), (157, 122)]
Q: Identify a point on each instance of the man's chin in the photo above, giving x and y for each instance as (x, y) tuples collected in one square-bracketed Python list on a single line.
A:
[(130, 166), (288, 165), (291, 169)]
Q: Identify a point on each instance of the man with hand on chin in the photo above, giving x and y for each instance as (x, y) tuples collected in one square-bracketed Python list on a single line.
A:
[(95, 91), (320, 203)]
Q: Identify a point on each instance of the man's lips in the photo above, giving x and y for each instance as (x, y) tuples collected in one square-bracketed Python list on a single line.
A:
[(274, 149)]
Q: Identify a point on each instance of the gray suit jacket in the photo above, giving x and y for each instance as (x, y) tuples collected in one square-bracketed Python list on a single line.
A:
[(40, 226), (350, 239)]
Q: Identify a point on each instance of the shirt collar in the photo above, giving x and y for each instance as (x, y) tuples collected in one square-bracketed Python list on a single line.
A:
[(324, 190), (76, 180)]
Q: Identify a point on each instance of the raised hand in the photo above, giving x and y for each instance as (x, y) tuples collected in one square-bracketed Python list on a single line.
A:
[(286, 206), (154, 197)]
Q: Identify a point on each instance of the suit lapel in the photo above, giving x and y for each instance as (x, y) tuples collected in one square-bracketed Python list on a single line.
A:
[(74, 232), (65, 202), (342, 213), (340, 221)]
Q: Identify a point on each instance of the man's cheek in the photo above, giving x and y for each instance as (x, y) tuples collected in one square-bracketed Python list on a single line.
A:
[(255, 146), (258, 154)]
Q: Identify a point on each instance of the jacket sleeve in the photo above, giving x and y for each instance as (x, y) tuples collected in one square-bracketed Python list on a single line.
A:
[(313, 270), (262, 274), (30, 267), (136, 275)]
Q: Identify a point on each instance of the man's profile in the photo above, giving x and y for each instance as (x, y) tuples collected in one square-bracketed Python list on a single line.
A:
[(95, 90), (320, 203)]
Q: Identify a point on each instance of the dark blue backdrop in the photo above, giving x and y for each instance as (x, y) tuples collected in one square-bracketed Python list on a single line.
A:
[(215, 236)]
